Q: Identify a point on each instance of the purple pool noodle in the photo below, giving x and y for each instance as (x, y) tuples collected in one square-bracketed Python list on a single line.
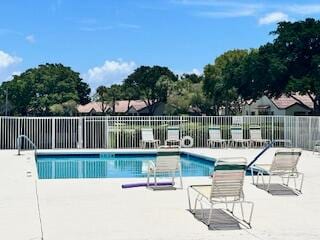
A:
[(133, 185)]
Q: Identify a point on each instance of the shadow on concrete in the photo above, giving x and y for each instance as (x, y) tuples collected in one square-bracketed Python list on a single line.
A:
[(277, 189), (220, 219)]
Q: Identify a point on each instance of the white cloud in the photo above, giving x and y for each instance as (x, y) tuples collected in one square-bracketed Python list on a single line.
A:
[(268, 12), (304, 9), (31, 38), (227, 13), (7, 60), (273, 17), (196, 71), (111, 72)]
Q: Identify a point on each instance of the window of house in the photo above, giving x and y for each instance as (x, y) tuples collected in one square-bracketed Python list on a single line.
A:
[(253, 113)]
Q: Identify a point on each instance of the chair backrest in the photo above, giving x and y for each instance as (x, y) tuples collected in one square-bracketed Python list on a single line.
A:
[(147, 134), (285, 160), (168, 160), (215, 133), (236, 132), (255, 132), (228, 177), (173, 133)]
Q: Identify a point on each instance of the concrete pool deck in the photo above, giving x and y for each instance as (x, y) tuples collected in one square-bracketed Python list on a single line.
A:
[(100, 209)]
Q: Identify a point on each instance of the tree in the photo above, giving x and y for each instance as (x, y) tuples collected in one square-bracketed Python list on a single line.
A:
[(194, 78), (150, 85), (220, 80), (129, 93), (291, 63), (114, 93), (37, 89), (185, 95), (108, 96), (103, 98)]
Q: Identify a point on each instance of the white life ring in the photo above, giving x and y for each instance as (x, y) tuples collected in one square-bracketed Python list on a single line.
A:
[(187, 142)]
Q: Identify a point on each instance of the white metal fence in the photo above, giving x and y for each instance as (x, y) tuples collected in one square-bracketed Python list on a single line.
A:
[(125, 131)]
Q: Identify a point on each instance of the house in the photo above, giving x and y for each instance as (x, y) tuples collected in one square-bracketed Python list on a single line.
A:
[(279, 106), (122, 107)]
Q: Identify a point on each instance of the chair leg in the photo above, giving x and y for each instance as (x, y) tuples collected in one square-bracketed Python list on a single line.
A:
[(268, 189), (189, 200), (148, 179), (180, 172), (251, 212), (241, 206), (301, 183), (155, 178), (210, 213), (172, 178)]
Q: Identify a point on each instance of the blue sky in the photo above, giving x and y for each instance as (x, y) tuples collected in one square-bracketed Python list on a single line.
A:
[(106, 40)]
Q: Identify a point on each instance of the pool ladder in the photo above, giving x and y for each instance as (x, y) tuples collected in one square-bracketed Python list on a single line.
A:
[(19, 138)]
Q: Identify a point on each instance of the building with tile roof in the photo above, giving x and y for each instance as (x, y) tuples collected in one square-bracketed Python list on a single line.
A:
[(122, 107), (299, 105)]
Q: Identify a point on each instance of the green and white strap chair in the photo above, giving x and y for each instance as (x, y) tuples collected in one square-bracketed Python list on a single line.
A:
[(237, 137), (148, 138), (167, 163), (173, 137), (256, 139), (226, 188), (284, 165), (215, 137)]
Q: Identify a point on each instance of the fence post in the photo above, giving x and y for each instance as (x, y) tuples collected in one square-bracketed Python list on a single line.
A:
[(272, 128), (310, 134), (117, 132), (80, 135), (297, 131), (107, 131), (53, 133)]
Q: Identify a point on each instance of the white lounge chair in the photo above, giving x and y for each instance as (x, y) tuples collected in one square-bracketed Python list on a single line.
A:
[(167, 162), (215, 137), (256, 139), (173, 137), (226, 187), (284, 165), (237, 137), (316, 147), (148, 139)]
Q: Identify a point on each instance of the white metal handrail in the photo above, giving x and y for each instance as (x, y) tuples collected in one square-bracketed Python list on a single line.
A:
[(19, 138)]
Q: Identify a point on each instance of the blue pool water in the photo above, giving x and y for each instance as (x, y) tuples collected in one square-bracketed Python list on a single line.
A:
[(111, 165)]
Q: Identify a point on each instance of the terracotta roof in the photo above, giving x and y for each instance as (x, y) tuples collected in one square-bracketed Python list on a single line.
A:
[(96, 106), (120, 106), (284, 102)]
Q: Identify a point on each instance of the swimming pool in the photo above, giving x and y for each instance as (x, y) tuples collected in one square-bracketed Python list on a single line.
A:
[(111, 165)]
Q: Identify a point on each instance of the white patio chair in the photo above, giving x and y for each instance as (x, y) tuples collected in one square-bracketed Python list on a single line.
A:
[(148, 139), (284, 165), (256, 139), (215, 137), (316, 147), (167, 163), (226, 188), (173, 137), (237, 137)]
